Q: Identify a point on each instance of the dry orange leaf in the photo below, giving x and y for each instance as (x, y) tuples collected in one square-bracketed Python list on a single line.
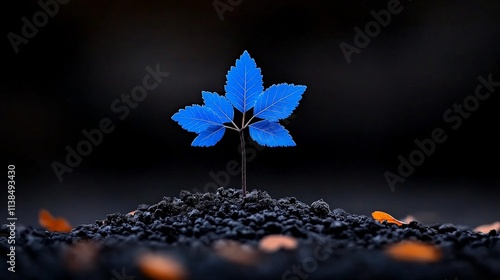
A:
[(382, 216), (81, 256), (47, 221), (161, 267), (488, 227), (414, 251), (408, 219), (131, 213), (236, 252), (274, 242)]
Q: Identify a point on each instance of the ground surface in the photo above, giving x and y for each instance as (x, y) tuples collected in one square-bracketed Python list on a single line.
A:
[(191, 235)]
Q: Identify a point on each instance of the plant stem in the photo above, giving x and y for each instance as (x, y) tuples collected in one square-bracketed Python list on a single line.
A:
[(233, 128), (243, 164), (246, 124)]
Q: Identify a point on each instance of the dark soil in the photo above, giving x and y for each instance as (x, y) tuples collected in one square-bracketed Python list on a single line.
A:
[(332, 244)]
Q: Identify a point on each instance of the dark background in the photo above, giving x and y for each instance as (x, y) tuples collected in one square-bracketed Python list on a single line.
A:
[(353, 122)]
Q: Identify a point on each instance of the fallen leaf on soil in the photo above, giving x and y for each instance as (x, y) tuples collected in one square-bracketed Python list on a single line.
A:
[(81, 256), (408, 219), (382, 216), (161, 267), (47, 221), (414, 251), (488, 227), (131, 213), (236, 252), (274, 242)]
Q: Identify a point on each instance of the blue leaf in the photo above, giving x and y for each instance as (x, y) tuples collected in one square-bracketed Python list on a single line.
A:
[(244, 83), (278, 101), (270, 134), (197, 118), (220, 105), (209, 136)]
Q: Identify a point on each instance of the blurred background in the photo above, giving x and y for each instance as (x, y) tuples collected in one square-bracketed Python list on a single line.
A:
[(353, 122)]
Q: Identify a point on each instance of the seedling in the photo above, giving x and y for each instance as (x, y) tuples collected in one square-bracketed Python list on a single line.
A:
[(244, 91)]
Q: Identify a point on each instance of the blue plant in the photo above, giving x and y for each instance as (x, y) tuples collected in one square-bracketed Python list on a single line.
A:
[(244, 91)]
